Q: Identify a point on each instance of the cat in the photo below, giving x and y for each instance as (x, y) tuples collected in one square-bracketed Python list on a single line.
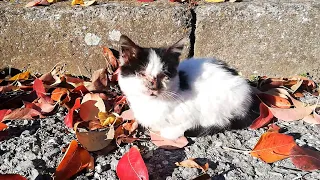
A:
[(172, 97)]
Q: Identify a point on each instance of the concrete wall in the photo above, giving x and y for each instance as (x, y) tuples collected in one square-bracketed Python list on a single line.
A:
[(265, 38)]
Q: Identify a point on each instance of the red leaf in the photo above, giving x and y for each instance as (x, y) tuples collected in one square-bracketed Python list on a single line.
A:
[(305, 159), (39, 88), (74, 160), (131, 166), (23, 113), (265, 117), (4, 112), (82, 90), (41, 107), (12, 177), (3, 126), (68, 120)]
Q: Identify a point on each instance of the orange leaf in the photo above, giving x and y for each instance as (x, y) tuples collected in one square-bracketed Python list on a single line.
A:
[(23, 113), (167, 143), (273, 146), (58, 93), (12, 177), (265, 117), (305, 159), (191, 163), (274, 101), (4, 112), (3, 126), (74, 160)]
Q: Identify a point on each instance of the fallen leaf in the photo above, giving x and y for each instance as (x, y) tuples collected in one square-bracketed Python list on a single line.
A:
[(82, 90), (44, 108), (37, 2), (274, 101), (3, 126), (58, 93), (94, 140), (110, 59), (23, 113), (273, 146), (131, 166), (119, 102), (127, 115), (21, 76), (4, 112), (91, 105), (305, 159), (295, 102), (95, 124), (88, 3), (265, 117), (295, 87), (68, 120), (107, 118), (292, 114), (99, 81), (167, 143), (77, 2), (130, 126), (74, 160), (273, 128), (191, 163), (39, 88), (12, 177)]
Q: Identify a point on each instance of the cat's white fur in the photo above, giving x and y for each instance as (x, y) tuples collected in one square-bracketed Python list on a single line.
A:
[(215, 97)]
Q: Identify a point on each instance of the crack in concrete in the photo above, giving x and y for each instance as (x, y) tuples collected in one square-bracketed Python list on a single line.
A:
[(192, 36)]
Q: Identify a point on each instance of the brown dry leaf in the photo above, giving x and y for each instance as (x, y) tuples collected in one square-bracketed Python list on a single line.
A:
[(292, 114), (91, 105), (130, 126), (94, 140), (74, 160), (273, 146), (111, 60), (58, 93), (191, 163), (99, 81), (295, 87), (167, 143)]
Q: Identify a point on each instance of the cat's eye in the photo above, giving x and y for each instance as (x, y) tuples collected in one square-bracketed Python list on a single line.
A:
[(142, 74)]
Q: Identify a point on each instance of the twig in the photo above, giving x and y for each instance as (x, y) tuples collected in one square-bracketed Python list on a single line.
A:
[(236, 150)]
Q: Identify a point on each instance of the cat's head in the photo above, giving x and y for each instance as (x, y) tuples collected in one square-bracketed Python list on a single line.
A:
[(148, 71)]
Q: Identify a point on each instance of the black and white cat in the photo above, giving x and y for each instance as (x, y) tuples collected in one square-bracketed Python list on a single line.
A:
[(173, 97)]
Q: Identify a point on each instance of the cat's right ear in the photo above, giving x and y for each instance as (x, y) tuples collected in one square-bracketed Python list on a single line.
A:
[(128, 50)]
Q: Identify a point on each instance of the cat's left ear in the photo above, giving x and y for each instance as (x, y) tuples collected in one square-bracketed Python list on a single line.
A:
[(177, 47)]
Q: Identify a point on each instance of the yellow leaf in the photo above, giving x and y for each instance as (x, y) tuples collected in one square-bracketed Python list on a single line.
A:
[(215, 1), (88, 3), (21, 76), (76, 2), (106, 119), (50, 1)]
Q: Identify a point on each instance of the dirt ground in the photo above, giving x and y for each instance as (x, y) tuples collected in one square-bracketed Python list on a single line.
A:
[(32, 148)]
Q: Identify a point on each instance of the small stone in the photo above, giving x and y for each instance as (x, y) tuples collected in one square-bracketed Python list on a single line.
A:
[(98, 168), (30, 155), (34, 174), (218, 144)]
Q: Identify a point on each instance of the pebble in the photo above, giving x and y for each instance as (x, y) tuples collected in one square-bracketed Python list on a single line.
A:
[(98, 168)]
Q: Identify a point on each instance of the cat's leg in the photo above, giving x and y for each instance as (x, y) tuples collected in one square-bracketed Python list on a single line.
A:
[(174, 132)]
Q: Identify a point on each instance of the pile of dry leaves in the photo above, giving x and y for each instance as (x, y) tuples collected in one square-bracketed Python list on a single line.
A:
[(101, 119)]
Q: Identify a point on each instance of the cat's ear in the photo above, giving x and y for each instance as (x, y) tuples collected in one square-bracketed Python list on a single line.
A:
[(128, 49), (177, 47)]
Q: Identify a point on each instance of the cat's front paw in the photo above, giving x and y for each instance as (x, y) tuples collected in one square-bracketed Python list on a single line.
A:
[(171, 133)]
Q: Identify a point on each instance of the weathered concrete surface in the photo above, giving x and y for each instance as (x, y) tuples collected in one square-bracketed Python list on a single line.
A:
[(275, 39), (44, 36)]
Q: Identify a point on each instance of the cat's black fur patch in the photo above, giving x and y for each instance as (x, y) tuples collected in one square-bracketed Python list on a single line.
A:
[(183, 81), (226, 67), (139, 62)]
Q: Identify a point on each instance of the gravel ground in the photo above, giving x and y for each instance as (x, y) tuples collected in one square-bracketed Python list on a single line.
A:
[(33, 149)]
